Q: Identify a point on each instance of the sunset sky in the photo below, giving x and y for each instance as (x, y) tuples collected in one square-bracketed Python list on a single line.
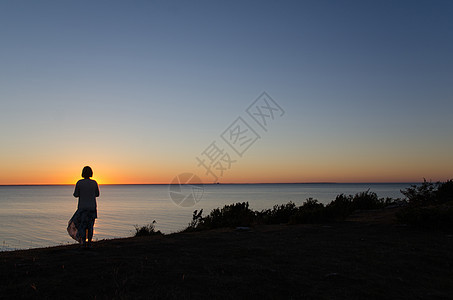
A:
[(362, 90)]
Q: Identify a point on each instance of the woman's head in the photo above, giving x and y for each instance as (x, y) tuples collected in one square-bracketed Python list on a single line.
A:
[(87, 172)]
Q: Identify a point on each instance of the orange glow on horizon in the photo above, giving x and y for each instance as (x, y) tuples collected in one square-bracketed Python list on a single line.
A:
[(247, 172)]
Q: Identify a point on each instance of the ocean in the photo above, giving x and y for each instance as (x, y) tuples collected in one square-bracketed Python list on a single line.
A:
[(37, 216)]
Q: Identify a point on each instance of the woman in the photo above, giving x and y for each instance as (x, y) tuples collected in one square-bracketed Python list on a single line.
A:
[(80, 226)]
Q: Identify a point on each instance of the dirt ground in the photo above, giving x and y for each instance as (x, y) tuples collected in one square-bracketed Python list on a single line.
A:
[(369, 256)]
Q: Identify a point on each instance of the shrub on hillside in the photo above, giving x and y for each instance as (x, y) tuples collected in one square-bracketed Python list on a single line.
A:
[(340, 208), (439, 217), (278, 214), (147, 230), (430, 206), (421, 195), (311, 211), (197, 220), (238, 214), (444, 192), (367, 200)]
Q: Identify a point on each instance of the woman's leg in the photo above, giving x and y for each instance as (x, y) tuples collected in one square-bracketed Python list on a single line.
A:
[(84, 227), (91, 231), (82, 235)]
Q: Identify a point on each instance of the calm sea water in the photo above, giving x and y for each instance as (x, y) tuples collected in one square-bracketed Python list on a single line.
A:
[(37, 216)]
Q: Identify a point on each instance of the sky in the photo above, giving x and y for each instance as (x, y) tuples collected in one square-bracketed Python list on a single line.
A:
[(143, 91)]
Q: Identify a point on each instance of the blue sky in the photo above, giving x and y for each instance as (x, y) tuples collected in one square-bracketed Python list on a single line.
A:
[(140, 88)]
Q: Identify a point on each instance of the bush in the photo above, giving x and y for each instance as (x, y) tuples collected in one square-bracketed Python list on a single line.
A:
[(311, 211), (430, 206), (340, 208), (439, 217), (421, 195), (196, 219), (445, 192), (311, 204), (278, 214), (367, 200), (233, 215), (146, 230)]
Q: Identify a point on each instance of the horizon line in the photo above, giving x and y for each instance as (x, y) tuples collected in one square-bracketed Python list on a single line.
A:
[(219, 183)]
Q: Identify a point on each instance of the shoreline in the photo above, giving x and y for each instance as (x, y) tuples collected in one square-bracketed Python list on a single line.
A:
[(366, 256)]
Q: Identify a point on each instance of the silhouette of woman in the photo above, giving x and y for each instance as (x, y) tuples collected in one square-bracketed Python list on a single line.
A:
[(80, 226)]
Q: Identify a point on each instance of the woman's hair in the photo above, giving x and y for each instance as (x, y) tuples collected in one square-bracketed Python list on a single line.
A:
[(87, 172)]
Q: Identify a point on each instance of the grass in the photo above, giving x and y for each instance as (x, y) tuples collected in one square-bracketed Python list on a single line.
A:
[(344, 260)]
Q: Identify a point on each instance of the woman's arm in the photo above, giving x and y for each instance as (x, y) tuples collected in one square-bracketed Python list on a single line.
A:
[(97, 190), (76, 190)]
